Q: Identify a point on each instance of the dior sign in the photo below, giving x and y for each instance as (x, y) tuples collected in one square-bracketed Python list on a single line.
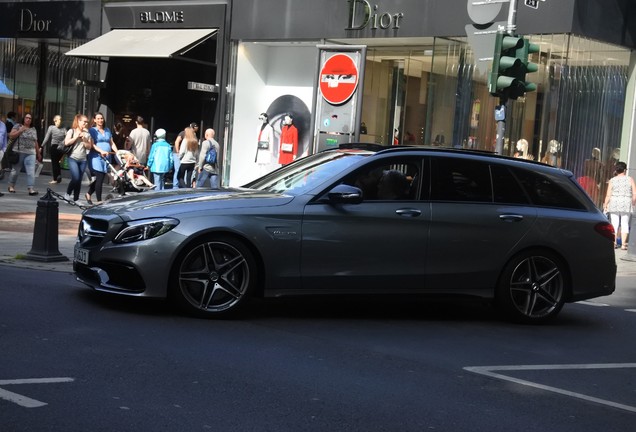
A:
[(29, 22), (161, 17), (363, 15)]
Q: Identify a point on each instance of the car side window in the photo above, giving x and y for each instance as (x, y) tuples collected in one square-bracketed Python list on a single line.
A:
[(394, 180), (545, 192), (506, 187), (459, 179)]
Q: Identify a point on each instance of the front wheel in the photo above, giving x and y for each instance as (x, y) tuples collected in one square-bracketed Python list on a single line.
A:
[(213, 277), (532, 287)]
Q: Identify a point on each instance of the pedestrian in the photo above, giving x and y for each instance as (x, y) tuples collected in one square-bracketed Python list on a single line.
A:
[(99, 156), (10, 122), (160, 159), (620, 198), (78, 137), (27, 146), (140, 141), (119, 136), (54, 140), (188, 156), (175, 154), (207, 170)]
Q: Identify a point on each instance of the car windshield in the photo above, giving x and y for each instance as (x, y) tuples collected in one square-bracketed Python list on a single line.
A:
[(307, 173)]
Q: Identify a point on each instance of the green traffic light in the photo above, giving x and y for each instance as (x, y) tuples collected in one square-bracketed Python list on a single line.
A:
[(510, 65)]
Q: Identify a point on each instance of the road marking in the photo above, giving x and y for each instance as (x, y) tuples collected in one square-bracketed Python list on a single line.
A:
[(488, 371), (23, 400), (630, 310), (592, 303)]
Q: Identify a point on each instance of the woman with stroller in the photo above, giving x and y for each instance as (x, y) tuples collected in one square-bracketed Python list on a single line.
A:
[(99, 156)]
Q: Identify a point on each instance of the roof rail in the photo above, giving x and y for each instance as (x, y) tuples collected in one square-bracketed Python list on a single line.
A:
[(362, 146)]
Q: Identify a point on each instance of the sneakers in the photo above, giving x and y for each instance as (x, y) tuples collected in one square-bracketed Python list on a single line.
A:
[(67, 197)]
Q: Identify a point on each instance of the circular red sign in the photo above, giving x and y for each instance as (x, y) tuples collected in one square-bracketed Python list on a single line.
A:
[(338, 79)]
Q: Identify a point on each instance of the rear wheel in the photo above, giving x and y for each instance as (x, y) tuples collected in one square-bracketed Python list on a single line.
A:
[(213, 277), (532, 287)]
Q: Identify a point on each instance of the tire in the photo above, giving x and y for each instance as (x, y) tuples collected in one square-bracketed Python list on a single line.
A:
[(213, 277), (532, 287)]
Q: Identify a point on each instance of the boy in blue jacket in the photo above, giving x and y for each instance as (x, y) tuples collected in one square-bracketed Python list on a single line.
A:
[(160, 159)]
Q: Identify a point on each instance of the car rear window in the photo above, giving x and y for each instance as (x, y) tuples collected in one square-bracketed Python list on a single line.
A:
[(543, 191)]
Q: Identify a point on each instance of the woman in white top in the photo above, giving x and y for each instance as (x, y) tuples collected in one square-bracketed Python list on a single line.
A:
[(80, 139), (620, 198)]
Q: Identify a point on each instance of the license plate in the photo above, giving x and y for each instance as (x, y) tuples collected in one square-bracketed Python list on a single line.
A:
[(81, 255)]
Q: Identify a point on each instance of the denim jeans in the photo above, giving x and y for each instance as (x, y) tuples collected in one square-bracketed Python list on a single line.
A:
[(177, 164), (204, 175), (159, 179), (77, 169), (28, 161)]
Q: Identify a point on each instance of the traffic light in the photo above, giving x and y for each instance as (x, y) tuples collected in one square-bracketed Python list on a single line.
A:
[(510, 65), (523, 54)]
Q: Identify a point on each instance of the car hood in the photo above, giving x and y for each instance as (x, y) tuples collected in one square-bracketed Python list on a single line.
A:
[(174, 201)]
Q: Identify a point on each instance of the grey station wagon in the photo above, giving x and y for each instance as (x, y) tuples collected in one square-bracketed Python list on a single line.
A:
[(354, 220)]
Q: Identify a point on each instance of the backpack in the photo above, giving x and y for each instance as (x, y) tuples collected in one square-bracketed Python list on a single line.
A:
[(210, 156)]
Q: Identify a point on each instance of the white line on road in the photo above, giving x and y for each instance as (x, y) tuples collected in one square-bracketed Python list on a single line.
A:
[(592, 303), (630, 310), (488, 371), (23, 400)]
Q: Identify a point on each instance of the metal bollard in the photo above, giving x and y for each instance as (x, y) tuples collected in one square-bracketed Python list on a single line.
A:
[(45, 246)]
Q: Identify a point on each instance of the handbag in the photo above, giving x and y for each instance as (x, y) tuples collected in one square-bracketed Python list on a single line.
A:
[(12, 156), (263, 145), (287, 147)]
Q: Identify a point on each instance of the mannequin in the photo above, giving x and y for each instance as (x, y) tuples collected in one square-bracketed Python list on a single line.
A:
[(592, 178), (265, 141), (553, 155), (522, 149), (288, 141)]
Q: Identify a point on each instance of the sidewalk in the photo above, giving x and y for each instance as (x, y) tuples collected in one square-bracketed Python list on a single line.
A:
[(17, 219)]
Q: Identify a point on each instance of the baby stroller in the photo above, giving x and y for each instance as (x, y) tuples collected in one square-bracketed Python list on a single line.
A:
[(128, 175)]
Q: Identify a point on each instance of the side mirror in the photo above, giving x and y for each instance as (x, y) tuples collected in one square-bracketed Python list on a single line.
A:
[(345, 194)]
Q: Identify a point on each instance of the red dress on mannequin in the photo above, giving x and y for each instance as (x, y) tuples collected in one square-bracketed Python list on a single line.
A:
[(288, 135)]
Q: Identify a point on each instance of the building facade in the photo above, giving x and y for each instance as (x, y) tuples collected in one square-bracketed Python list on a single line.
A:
[(35, 75), (424, 78), (413, 72)]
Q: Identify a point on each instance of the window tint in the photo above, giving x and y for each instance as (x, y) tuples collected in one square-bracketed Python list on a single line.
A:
[(506, 188), (457, 179), (545, 192), (391, 180)]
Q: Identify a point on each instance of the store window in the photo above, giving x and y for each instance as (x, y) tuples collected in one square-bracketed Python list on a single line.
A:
[(38, 78), (435, 92)]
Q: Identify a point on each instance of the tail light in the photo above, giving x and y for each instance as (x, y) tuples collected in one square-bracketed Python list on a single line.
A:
[(605, 229)]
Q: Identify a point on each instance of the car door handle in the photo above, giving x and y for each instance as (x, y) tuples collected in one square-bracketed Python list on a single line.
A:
[(408, 212), (511, 217)]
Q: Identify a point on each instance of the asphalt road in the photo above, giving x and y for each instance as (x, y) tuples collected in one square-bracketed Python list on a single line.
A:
[(73, 360)]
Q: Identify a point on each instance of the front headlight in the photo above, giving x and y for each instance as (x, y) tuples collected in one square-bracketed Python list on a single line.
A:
[(145, 229)]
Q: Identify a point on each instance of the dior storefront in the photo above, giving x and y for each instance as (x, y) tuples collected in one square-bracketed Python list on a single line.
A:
[(417, 74), (35, 75)]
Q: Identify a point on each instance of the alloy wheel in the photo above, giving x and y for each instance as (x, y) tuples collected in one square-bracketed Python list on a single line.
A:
[(536, 287), (214, 277)]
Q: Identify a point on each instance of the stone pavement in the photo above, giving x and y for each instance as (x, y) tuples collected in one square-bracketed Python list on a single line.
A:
[(17, 219)]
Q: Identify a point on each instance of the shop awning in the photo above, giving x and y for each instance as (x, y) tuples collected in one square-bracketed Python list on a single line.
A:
[(150, 43), (4, 90)]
